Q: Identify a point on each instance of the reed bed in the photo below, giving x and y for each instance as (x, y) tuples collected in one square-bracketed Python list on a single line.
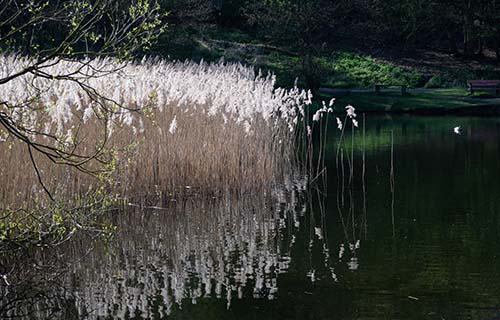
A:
[(160, 128)]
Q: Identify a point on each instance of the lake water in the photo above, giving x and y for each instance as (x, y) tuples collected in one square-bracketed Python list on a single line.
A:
[(412, 232)]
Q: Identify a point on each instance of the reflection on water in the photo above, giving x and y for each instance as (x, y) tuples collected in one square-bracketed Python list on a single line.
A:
[(190, 251), (163, 257), (408, 229), (33, 287)]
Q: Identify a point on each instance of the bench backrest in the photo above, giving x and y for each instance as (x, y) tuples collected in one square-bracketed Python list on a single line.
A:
[(483, 82)]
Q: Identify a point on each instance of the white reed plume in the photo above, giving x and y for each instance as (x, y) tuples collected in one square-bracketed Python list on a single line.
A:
[(317, 115), (173, 125), (350, 111), (169, 116), (228, 88), (339, 123)]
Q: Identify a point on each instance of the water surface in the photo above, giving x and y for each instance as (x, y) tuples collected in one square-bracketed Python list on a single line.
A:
[(412, 232)]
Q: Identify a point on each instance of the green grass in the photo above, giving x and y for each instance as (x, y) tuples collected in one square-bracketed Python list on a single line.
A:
[(341, 68), (337, 69), (344, 70), (231, 35), (416, 101), (352, 70)]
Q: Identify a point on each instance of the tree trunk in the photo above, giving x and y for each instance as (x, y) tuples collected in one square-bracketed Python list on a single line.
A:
[(452, 45), (468, 41), (468, 29), (480, 47)]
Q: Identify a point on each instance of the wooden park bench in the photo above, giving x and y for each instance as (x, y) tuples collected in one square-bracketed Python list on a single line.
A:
[(484, 84), (378, 87)]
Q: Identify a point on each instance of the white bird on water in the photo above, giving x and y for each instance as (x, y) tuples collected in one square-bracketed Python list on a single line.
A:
[(458, 130)]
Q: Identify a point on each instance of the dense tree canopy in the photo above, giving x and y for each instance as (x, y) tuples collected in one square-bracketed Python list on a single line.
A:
[(464, 26)]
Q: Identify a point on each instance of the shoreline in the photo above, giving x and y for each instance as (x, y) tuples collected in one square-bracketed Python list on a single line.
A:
[(484, 110), (419, 101)]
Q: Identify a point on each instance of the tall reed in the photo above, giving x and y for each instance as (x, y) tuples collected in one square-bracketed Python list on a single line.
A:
[(167, 127)]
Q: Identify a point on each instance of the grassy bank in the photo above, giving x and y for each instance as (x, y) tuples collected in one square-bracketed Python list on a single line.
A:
[(337, 65), (419, 101), (340, 68)]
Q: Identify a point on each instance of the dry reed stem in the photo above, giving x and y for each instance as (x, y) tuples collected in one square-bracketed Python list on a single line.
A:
[(213, 148)]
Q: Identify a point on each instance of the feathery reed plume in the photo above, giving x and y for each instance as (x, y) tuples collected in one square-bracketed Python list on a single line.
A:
[(161, 128)]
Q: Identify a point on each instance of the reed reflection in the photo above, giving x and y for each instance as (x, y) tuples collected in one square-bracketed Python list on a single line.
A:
[(163, 257)]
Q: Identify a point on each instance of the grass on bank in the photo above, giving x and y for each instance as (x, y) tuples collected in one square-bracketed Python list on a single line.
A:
[(339, 66), (353, 70), (443, 99)]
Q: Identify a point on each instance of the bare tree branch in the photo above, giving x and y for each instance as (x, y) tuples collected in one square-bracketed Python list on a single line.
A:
[(79, 31)]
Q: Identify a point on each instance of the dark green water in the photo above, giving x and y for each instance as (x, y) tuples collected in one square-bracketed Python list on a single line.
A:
[(423, 243)]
